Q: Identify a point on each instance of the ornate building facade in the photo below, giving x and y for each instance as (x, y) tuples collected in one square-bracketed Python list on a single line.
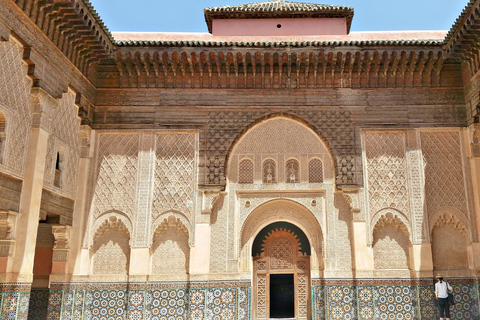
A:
[(279, 166)]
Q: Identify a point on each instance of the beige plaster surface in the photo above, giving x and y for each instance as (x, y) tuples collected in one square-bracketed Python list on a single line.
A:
[(352, 36), (279, 27)]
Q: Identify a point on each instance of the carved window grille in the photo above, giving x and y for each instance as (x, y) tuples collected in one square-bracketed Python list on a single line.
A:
[(292, 171), (245, 171), (269, 171), (315, 171), (58, 172), (2, 136)]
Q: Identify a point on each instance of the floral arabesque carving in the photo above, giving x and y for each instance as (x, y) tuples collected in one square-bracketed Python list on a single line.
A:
[(333, 126)]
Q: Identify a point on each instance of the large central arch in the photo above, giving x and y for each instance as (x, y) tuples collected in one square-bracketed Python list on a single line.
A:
[(304, 224)]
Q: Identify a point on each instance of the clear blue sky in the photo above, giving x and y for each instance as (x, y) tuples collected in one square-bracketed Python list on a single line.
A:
[(187, 15)]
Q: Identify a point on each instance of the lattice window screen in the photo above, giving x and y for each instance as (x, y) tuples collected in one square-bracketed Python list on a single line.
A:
[(269, 171), (315, 171), (292, 171), (245, 171)]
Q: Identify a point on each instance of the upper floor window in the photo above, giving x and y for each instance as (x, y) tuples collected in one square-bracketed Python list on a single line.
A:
[(245, 171), (315, 171), (269, 171), (57, 182), (292, 171)]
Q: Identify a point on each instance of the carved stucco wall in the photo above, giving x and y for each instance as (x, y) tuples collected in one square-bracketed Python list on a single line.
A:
[(281, 139), (15, 105), (334, 125), (63, 139), (430, 165), (115, 176), (140, 180), (444, 173)]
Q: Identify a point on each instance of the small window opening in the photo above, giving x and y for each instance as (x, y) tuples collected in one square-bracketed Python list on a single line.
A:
[(58, 172)]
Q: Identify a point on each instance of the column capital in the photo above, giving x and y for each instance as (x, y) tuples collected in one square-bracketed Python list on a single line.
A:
[(62, 242), (43, 105)]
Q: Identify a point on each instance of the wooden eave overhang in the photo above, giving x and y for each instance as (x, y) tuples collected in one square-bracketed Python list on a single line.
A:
[(462, 42), (278, 9), (304, 65), (74, 27)]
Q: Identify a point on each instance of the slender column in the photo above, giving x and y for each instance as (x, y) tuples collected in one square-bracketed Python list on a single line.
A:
[(200, 252), (61, 248), (363, 253), (421, 252), (80, 211), (21, 266), (140, 251), (472, 153)]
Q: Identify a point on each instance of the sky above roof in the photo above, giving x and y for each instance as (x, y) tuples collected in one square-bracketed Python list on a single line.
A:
[(187, 15)]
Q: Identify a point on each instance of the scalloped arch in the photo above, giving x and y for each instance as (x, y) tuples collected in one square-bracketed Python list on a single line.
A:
[(178, 215), (383, 213)]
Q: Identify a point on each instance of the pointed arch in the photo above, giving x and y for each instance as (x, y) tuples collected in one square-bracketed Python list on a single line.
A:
[(325, 145), (280, 139)]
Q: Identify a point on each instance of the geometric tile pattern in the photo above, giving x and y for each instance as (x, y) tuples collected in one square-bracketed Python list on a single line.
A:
[(155, 304), (390, 302), (14, 305), (328, 302)]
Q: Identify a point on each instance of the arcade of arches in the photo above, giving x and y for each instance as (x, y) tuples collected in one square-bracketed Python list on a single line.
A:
[(247, 173)]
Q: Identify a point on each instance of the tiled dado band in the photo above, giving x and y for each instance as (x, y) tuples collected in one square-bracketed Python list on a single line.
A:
[(390, 299), (14, 300), (362, 299), (135, 301)]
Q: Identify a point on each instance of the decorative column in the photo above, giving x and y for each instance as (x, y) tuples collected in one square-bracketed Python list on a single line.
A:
[(363, 254), (472, 153), (8, 224), (76, 265), (140, 251), (20, 267), (60, 249), (421, 246)]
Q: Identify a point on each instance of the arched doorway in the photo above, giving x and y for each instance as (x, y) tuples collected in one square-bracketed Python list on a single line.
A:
[(281, 272)]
